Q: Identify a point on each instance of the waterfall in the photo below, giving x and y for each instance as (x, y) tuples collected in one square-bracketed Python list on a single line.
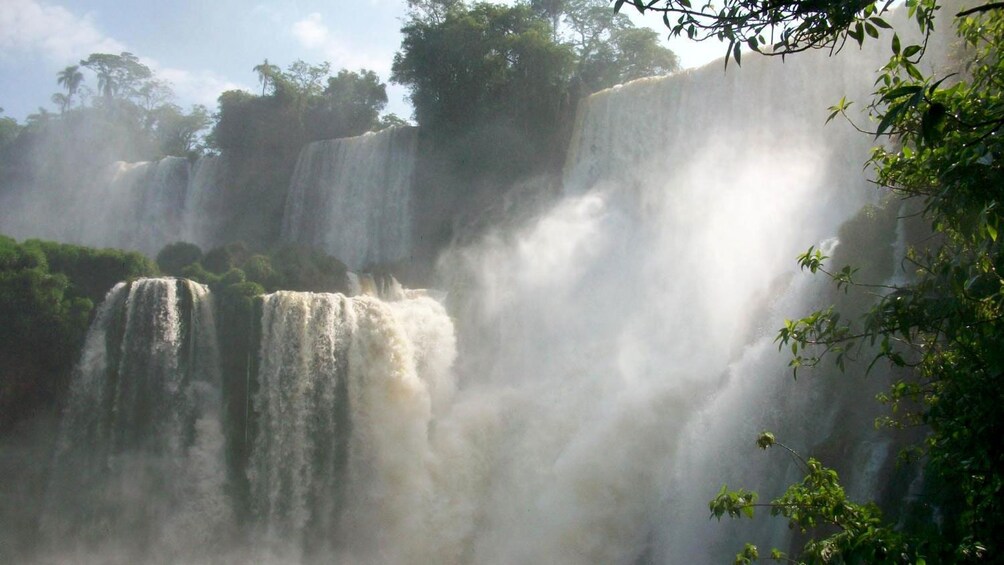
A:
[(139, 467), (617, 351), (596, 370), (352, 197), (346, 392), (137, 206), (204, 202)]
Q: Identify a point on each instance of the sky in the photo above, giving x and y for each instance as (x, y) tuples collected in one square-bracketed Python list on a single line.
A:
[(203, 48)]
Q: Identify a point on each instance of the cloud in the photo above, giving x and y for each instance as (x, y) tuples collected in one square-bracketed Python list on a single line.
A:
[(313, 34), (194, 87), (30, 27)]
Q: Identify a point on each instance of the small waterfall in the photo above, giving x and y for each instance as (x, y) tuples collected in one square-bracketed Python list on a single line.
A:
[(203, 202), (137, 206), (352, 197), (139, 468), (159, 216), (346, 389)]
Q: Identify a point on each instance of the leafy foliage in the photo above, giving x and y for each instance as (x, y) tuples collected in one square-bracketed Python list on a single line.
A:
[(232, 265), (608, 48), (840, 531), (946, 323), (487, 64), (176, 256), (262, 137), (779, 28), (351, 104), (47, 297), (305, 104)]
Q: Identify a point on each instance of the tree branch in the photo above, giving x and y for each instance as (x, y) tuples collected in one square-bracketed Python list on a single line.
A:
[(980, 9)]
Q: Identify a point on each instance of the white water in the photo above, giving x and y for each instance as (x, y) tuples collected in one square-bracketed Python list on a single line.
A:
[(346, 393), (615, 352), (137, 206), (139, 466), (616, 355), (352, 197), (204, 202)]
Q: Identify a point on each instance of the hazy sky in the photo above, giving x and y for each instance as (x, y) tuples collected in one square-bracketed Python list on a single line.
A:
[(203, 47)]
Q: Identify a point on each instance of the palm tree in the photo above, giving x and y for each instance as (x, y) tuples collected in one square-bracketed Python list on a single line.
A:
[(106, 84), (70, 79), (266, 74), (61, 100)]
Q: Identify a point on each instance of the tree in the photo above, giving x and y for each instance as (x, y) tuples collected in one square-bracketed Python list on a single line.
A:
[(9, 130), (47, 297), (638, 54), (550, 10), (70, 78), (119, 75), (947, 324), (819, 503), (152, 94), (610, 49), (362, 90), (778, 28), (487, 80), (61, 100), (432, 10), (176, 132), (350, 104), (391, 120), (266, 74), (306, 80), (176, 256)]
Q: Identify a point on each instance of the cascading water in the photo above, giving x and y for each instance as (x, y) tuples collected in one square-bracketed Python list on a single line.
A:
[(203, 202), (138, 206), (615, 355), (139, 469), (352, 197), (346, 390)]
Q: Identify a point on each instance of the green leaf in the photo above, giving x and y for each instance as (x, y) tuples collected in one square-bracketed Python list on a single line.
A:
[(895, 42), (891, 117), (931, 124), (880, 22), (901, 91)]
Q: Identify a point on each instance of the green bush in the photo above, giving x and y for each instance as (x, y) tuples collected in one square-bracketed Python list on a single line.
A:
[(47, 296), (173, 258)]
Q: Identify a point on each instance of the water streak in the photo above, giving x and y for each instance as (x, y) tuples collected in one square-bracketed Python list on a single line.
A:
[(352, 197), (139, 467)]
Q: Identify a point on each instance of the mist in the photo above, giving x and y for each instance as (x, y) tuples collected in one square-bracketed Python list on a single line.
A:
[(591, 360)]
